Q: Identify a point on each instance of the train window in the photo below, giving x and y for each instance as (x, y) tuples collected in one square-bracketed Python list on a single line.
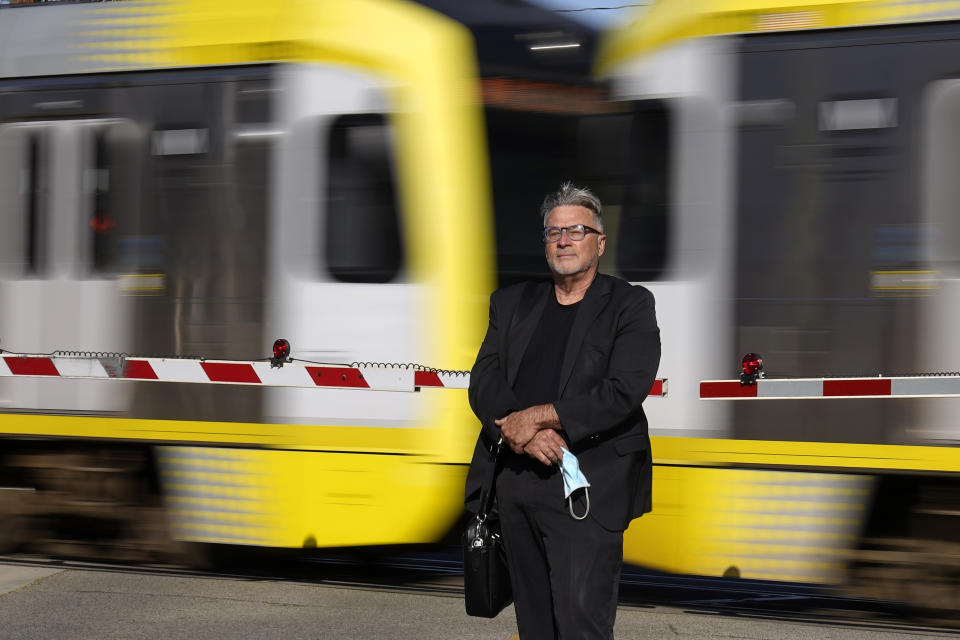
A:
[(112, 185), (102, 221), (645, 212), (942, 162), (32, 193), (362, 236), (253, 101), (617, 149), (22, 202), (531, 153)]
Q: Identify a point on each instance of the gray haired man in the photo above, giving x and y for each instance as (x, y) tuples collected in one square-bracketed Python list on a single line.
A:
[(560, 379)]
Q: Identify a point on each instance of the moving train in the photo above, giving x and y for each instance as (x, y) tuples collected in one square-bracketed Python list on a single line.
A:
[(800, 198), (197, 178)]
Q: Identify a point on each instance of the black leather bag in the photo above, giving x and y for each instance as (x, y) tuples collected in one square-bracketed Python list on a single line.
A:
[(486, 580)]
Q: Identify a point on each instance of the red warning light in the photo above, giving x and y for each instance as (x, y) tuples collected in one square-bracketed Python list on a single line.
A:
[(101, 223), (752, 363), (281, 349)]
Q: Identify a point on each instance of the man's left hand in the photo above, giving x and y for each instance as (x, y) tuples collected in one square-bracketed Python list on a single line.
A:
[(518, 428)]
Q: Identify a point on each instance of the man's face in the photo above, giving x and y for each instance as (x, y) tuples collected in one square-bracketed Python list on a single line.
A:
[(568, 257)]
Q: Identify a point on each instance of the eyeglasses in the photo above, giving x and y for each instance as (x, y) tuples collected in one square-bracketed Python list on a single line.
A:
[(575, 232)]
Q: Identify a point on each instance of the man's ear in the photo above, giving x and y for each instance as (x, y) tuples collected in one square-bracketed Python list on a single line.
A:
[(601, 244)]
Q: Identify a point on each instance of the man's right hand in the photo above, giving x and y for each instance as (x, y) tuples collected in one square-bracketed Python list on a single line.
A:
[(546, 447)]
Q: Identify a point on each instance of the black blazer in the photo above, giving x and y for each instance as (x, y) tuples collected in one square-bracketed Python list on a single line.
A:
[(608, 367)]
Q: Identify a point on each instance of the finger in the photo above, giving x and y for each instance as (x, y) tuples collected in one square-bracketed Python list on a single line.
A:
[(558, 448), (546, 456), (537, 454), (558, 445), (552, 449), (548, 439)]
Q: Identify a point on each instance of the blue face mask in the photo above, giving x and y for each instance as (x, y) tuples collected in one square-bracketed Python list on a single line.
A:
[(573, 479)]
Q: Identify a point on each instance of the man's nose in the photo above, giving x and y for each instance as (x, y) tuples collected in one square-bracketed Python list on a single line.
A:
[(564, 238)]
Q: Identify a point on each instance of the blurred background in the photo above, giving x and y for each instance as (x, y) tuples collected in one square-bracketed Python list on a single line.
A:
[(188, 178)]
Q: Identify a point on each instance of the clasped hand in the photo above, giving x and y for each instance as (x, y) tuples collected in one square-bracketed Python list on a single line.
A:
[(525, 433)]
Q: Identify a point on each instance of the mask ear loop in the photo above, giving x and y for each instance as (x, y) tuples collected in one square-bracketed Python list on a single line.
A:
[(586, 492)]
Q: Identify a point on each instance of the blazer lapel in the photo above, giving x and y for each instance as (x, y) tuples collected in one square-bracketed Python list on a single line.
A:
[(593, 303), (522, 327)]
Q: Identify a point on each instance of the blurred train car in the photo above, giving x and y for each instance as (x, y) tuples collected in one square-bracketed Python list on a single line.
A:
[(796, 178), (197, 178), (190, 177)]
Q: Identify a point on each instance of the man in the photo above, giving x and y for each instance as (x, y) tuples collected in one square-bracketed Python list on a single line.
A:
[(566, 365)]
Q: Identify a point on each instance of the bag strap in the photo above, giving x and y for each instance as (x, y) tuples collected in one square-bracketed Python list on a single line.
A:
[(487, 489)]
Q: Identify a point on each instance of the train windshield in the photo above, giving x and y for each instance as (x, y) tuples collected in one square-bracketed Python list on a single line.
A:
[(619, 150)]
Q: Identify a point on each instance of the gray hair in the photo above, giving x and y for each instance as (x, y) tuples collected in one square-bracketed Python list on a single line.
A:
[(570, 195)]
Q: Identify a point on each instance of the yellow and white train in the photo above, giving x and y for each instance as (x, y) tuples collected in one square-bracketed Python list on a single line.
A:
[(803, 186), (189, 177), (195, 177)]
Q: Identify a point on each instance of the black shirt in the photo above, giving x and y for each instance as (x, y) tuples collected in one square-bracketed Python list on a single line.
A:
[(539, 374), (537, 382)]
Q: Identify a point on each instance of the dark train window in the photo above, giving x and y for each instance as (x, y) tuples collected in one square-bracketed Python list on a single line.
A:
[(32, 189), (645, 214), (617, 149), (531, 152), (112, 185), (941, 189), (102, 221), (24, 160), (362, 237)]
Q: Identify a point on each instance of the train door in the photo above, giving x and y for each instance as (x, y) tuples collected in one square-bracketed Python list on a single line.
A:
[(684, 94), (68, 190), (200, 245), (339, 281), (940, 193), (685, 179)]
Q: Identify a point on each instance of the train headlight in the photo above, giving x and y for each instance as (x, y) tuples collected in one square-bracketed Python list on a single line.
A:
[(752, 366), (281, 352)]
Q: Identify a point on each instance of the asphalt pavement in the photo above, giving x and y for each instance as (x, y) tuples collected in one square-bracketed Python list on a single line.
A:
[(54, 599)]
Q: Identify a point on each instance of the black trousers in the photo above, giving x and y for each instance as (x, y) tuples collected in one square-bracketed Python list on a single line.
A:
[(565, 573)]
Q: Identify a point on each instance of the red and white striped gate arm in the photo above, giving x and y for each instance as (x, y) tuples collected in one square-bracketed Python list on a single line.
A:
[(291, 374), (936, 386), (384, 377)]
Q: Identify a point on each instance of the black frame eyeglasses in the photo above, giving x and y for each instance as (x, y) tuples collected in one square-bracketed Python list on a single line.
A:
[(575, 232)]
